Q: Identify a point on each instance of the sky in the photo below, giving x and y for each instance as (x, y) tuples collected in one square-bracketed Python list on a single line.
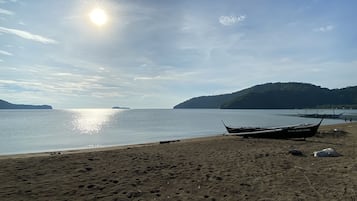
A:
[(158, 53)]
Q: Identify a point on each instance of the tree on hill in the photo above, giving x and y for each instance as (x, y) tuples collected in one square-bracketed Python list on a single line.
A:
[(290, 95)]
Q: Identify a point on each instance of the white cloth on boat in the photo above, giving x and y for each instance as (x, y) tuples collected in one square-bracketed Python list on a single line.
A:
[(328, 152)]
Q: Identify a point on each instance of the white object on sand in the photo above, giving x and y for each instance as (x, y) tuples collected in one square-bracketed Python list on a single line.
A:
[(328, 152)]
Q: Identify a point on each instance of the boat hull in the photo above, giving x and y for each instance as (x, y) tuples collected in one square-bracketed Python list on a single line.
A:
[(299, 131)]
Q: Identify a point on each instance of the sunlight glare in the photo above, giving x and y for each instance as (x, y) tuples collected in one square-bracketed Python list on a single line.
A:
[(98, 16), (91, 121)]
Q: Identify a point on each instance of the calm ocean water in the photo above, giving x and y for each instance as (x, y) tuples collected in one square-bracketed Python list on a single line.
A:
[(28, 131)]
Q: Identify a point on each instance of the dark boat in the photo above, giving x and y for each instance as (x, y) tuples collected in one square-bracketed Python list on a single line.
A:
[(324, 116), (285, 132)]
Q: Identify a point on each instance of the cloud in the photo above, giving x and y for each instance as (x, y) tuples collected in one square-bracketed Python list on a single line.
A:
[(6, 12), (27, 35), (324, 28), (5, 53), (231, 20), (7, 1), (151, 78), (165, 75)]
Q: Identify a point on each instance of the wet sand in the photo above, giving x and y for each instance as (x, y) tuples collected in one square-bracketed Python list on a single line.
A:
[(213, 168)]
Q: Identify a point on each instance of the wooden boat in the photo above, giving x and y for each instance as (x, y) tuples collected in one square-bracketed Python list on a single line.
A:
[(284, 132)]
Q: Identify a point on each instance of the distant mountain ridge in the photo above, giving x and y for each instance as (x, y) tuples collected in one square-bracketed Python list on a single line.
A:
[(291, 95), (7, 105)]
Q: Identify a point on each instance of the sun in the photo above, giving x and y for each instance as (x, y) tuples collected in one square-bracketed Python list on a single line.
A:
[(98, 16)]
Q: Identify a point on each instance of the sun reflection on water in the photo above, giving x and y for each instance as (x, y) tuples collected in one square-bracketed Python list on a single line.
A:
[(91, 121)]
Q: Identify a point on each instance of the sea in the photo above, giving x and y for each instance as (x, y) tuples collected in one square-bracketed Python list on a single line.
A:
[(33, 131)]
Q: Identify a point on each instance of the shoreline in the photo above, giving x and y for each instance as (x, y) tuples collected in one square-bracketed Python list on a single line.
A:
[(130, 146), (107, 148)]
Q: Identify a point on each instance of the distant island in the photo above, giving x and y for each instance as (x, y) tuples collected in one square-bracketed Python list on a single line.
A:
[(291, 95), (117, 107), (7, 105)]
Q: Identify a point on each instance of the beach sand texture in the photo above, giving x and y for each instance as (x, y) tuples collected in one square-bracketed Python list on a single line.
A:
[(213, 168)]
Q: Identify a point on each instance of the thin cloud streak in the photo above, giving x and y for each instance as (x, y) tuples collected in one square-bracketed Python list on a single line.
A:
[(6, 12), (326, 28), (28, 35), (5, 53), (231, 20), (7, 1)]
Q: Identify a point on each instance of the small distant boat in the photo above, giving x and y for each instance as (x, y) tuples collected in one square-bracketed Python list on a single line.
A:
[(284, 132), (322, 116)]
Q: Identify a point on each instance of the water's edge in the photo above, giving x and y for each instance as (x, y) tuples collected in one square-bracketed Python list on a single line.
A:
[(24, 131)]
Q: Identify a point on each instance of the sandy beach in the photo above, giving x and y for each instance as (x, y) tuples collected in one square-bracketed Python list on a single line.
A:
[(212, 168)]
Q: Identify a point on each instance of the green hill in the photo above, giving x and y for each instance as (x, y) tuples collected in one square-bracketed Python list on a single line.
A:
[(278, 96), (7, 105)]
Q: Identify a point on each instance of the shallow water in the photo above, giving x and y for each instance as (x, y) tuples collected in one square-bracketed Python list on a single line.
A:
[(28, 131)]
